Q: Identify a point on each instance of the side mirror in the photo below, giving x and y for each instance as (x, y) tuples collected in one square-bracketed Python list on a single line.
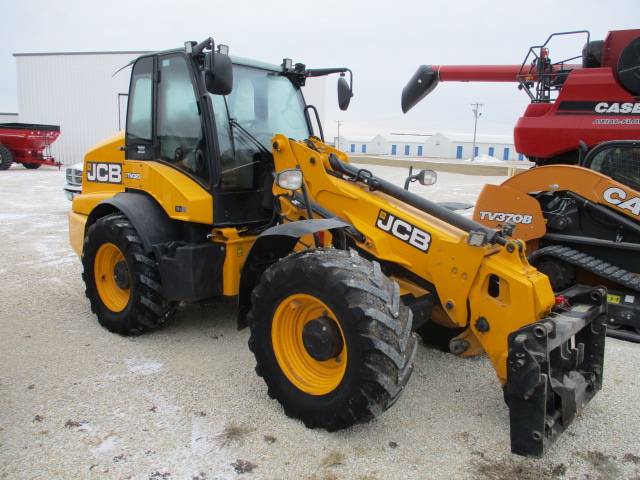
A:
[(344, 94), (427, 177), (218, 73), (423, 177)]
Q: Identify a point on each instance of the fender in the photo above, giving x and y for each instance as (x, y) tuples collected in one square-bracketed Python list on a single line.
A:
[(272, 245), (149, 219)]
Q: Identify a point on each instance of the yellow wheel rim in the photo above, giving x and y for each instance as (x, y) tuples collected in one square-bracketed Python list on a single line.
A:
[(112, 295), (308, 374)]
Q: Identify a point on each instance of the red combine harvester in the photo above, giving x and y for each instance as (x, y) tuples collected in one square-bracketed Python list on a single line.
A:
[(592, 101), (578, 210), (28, 144)]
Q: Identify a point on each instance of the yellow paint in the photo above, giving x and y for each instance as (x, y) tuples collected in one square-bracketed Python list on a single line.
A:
[(113, 297), (77, 225), (309, 375), (179, 195), (236, 249), (614, 298)]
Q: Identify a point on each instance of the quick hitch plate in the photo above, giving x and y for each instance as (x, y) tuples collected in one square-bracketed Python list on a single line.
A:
[(554, 368)]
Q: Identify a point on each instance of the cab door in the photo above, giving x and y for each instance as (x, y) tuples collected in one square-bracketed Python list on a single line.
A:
[(168, 122), (243, 196), (165, 120)]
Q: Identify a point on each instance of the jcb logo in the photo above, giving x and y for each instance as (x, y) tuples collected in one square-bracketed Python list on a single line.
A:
[(104, 172), (404, 231)]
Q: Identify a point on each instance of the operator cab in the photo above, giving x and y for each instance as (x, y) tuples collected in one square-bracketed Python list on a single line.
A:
[(213, 117), (619, 160)]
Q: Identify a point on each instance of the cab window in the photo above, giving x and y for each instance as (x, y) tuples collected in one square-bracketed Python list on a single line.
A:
[(180, 132), (620, 163), (139, 135), (261, 104)]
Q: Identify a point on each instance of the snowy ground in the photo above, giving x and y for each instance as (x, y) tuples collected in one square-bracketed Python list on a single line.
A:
[(183, 403)]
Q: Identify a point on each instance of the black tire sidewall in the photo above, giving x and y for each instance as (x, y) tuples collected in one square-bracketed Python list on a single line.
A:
[(289, 394), (6, 158), (346, 285), (134, 318)]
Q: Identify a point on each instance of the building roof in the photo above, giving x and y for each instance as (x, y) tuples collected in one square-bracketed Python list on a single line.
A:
[(480, 138), (403, 138), (356, 138)]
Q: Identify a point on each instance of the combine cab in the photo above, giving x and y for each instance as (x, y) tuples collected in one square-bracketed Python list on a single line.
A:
[(28, 144), (590, 97)]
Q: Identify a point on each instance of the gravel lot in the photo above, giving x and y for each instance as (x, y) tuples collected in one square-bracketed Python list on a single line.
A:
[(77, 402)]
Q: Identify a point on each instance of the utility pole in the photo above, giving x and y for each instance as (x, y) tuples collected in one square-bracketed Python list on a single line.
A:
[(476, 114), (338, 142)]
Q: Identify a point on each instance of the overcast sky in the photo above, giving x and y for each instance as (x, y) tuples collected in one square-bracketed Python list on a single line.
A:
[(382, 42)]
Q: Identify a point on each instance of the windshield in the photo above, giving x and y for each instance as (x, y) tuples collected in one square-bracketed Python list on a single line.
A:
[(265, 103), (262, 104)]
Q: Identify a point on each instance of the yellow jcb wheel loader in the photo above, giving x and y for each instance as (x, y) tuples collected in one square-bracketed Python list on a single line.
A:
[(218, 187)]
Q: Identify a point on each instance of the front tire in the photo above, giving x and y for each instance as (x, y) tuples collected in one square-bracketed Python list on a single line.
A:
[(122, 280), (331, 337), (6, 158)]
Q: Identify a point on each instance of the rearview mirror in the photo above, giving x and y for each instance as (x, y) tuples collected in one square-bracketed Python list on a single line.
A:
[(427, 177), (423, 177), (218, 73), (344, 94)]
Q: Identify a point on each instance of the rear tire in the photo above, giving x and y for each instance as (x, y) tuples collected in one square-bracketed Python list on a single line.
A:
[(371, 339), (6, 158), (122, 280), (31, 166)]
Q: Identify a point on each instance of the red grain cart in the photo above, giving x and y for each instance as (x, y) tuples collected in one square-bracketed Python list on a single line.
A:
[(28, 144)]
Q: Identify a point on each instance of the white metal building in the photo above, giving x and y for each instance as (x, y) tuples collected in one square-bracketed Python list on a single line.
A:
[(439, 145), (459, 145), (82, 93), (383, 144), (8, 117), (399, 144), (354, 144), (77, 91)]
